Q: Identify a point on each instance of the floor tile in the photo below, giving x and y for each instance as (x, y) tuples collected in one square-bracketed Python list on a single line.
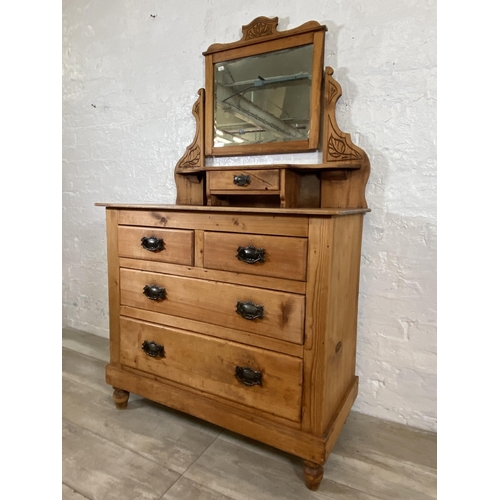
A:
[(362, 434), (242, 473), (101, 470), (165, 436), (70, 494), (185, 489), (84, 343), (385, 459), (388, 479), (85, 370)]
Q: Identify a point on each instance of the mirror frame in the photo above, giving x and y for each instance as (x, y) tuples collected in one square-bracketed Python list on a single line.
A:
[(260, 37)]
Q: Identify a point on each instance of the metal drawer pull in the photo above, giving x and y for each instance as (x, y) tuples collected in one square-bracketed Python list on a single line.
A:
[(248, 376), (153, 349), (154, 292), (249, 310), (241, 180), (251, 255), (153, 244)]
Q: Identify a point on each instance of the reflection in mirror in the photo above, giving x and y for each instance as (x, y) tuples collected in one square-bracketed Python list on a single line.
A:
[(263, 98)]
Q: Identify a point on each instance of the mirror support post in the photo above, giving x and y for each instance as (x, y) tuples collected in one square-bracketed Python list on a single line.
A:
[(189, 180), (347, 189)]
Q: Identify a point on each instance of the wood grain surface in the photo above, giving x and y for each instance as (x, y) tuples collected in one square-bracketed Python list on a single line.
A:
[(284, 257), (216, 303), (262, 180), (209, 364), (177, 248)]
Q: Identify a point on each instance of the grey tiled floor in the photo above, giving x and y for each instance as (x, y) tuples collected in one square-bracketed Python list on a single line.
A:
[(151, 452)]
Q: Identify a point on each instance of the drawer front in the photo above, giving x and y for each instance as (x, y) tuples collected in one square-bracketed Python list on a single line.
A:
[(210, 365), (282, 314), (277, 256), (163, 245), (244, 180), (233, 222)]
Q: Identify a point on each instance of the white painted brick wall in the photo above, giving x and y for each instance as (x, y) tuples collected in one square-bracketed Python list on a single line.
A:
[(129, 82)]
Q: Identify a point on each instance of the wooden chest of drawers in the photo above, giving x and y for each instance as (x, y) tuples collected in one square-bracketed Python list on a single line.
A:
[(245, 318)]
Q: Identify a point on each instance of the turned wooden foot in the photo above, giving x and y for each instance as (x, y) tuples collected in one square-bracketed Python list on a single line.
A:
[(120, 397), (313, 474)]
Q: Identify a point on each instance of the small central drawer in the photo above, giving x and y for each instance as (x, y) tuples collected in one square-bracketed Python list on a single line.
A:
[(254, 377), (276, 256), (164, 245), (221, 181), (264, 312)]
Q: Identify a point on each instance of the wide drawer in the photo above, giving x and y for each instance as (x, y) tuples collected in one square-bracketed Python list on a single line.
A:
[(163, 245), (277, 256), (281, 316), (215, 366), (243, 180)]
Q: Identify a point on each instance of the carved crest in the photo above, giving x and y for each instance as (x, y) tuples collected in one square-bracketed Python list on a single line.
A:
[(261, 26)]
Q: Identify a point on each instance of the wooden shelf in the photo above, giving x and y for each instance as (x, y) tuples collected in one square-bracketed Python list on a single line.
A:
[(290, 166), (194, 208)]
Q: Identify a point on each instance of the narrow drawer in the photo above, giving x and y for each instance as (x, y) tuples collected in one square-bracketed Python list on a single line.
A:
[(163, 245), (273, 314), (276, 256), (215, 366), (244, 180), (233, 222)]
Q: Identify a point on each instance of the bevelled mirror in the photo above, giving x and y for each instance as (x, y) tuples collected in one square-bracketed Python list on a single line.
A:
[(263, 93)]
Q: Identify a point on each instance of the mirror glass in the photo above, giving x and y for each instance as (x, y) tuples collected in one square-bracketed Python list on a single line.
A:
[(263, 98)]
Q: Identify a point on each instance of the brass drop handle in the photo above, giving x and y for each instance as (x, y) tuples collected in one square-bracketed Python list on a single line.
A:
[(153, 349), (152, 243), (241, 180), (248, 376), (249, 310), (154, 292), (251, 255)]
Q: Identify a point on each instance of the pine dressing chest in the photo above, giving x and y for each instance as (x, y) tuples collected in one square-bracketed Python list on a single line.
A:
[(239, 304)]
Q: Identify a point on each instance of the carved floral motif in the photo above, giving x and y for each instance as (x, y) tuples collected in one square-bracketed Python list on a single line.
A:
[(339, 146), (262, 26), (339, 149), (259, 29), (191, 158), (331, 92)]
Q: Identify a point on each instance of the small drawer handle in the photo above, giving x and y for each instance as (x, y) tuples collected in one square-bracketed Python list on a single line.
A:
[(251, 255), (249, 310), (153, 349), (154, 292), (241, 180), (153, 244), (248, 376)]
